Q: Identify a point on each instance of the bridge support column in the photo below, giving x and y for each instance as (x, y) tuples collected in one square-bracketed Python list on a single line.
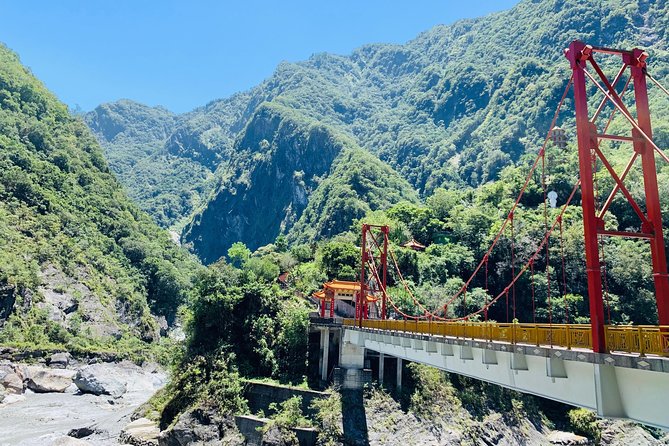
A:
[(351, 373), (325, 353), (382, 360), (609, 402), (399, 374)]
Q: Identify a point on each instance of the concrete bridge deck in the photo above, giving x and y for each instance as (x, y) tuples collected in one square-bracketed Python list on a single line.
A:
[(617, 385)]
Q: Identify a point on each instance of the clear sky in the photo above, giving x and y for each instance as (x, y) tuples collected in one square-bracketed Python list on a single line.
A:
[(182, 54)]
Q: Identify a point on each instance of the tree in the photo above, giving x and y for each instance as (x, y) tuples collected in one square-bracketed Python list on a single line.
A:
[(238, 254), (340, 260)]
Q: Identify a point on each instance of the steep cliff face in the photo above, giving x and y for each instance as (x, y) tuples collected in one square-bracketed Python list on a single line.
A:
[(78, 261), (279, 164), (357, 183)]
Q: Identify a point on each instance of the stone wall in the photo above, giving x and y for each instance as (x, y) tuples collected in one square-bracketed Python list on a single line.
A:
[(261, 395)]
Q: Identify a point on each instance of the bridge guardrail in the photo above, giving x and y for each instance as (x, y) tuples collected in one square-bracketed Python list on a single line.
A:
[(641, 339)]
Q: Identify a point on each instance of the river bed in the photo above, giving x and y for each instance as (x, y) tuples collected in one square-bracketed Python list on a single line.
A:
[(46, 418)]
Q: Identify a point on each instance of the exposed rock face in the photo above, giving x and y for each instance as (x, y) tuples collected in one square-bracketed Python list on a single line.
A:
[(279, 437), (202, 427), (567, 439), (7, 300), (59, 360), (141, 432), (47, 380), (289, 156), (13, 383), (100, 379)]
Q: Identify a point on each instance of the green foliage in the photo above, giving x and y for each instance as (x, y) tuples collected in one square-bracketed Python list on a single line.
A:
[(239, 313), (62, 210), (288, 414), (328, 416), (210, 380), (584, 422), (238, 254), (340, 260), (432, 393)]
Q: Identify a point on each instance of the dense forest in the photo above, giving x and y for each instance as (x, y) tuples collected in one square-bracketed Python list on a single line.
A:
[(81, 267)]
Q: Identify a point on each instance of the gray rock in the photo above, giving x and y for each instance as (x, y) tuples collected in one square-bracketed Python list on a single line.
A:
[(203, 427), (46, 381), (141, 432), (59, 360), (83, 432), (7, 367), (99, 379), (13, 383), (567, 439), (279, 437), (2, 394)]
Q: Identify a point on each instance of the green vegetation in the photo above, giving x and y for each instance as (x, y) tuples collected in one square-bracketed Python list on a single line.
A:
[(240, 324), (83, 268), (584, 422), (449, 109)]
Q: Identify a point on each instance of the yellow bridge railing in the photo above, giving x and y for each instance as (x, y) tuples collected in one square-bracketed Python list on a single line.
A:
[(641, 339)]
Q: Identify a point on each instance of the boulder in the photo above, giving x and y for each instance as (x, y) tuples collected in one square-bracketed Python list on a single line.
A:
[(13, 383), (99, 379), (83, 432), (7, 367), (59, 360), (47, 380), (567, 439), (202, 426), (141, 432)]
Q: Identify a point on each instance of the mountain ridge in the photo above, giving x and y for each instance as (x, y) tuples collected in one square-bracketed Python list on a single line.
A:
[(450, 108)]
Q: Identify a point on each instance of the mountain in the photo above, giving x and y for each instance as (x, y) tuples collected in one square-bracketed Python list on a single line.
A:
[(281, 160), (80, 265), (450, 108)]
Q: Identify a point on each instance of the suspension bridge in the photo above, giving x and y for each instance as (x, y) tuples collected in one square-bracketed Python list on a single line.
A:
[(618, 370)]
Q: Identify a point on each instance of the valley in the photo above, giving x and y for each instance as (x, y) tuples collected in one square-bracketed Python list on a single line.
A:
[(179, 255)]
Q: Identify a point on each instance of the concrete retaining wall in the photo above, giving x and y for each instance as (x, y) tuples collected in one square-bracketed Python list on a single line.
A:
[(251, 428), (261, 395)]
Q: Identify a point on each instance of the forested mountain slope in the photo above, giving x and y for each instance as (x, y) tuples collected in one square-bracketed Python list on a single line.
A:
[(80, 265), (452, 107)]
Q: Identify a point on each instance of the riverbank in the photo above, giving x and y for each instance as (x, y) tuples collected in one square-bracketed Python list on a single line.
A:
[(58, 418)]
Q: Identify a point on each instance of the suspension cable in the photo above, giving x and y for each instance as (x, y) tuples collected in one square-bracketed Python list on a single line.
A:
[(656, 82), (534, 312), (513, 271), (528, 178), (548, 271), (532, 257), (564, 275)]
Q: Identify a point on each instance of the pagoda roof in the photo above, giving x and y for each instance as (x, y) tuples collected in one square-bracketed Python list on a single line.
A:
[(413, 244), (342, 285)]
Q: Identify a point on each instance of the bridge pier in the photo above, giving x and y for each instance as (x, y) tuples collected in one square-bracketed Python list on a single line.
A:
[(382, 360), (398, 379), (325, 353), (351, 373)]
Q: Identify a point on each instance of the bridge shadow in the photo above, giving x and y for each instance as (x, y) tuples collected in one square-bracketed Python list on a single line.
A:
[(354, 418)]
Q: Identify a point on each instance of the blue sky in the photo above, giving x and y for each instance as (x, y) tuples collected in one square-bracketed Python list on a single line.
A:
[(182, 54)]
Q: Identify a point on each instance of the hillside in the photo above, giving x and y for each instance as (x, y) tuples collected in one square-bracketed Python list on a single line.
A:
[(81, 266), (450, 108)]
